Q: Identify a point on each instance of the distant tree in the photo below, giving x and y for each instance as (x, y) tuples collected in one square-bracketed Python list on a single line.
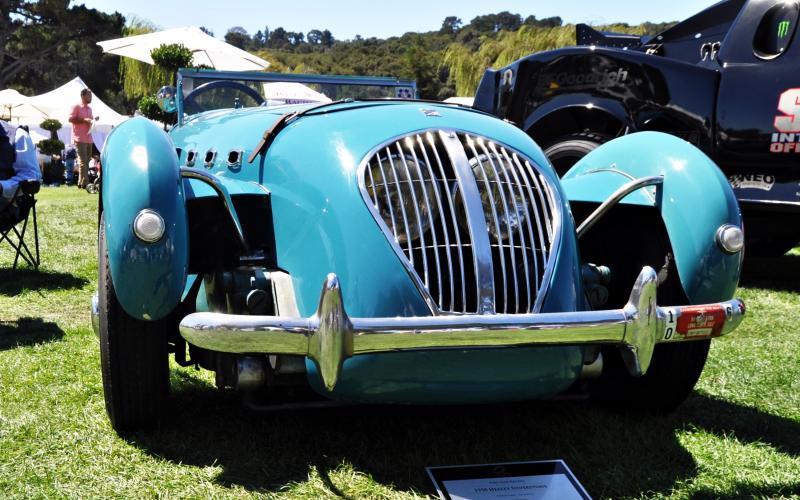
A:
[(492, 23), (258, 40), (295, 38), (314, 37), (327, 38), (548, 22), (238, 37), (206, 31), (277, 39), (450, 25)]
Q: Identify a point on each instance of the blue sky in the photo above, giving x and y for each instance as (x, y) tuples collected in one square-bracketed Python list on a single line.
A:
[(346, 18)]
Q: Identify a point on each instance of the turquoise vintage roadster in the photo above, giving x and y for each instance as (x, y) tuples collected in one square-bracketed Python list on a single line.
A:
[(377, 249)]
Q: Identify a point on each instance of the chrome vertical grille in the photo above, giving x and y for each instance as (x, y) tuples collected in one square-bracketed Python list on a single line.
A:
[(418, 188)]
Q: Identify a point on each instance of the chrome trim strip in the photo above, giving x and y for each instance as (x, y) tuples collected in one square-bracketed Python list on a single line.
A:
[(509, 165), (425, 277), (476, 221), (456, 230), (490, 194), (330, 336), (388, 197), (616, 197), (222, 192), (402, 204), (409, 143), (493, 204), (500, 246), (443, 225), (524, 175)]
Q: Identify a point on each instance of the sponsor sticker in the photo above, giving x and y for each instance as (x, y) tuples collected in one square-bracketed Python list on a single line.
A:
[(763, 182), (787, 124), (700, 321)]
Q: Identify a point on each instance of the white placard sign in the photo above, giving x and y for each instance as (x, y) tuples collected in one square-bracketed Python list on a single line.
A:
[(550, 479)]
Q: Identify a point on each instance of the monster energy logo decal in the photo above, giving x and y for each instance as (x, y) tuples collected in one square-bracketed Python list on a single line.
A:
[(783, 29)]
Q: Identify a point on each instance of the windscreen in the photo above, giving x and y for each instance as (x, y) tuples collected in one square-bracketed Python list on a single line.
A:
[(218, 91)]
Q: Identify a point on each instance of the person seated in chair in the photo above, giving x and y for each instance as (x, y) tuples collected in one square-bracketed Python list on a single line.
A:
[(17, 161)]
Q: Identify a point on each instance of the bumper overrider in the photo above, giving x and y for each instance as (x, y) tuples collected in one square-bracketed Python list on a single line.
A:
[(329, 337)]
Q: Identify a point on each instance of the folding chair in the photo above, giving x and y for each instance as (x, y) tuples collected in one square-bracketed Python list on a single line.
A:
[(17, 213)]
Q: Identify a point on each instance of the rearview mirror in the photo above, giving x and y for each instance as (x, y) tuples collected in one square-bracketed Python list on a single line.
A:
[(166, 99)]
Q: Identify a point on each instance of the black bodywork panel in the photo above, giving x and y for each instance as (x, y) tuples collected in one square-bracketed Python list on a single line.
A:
[(725, 79)]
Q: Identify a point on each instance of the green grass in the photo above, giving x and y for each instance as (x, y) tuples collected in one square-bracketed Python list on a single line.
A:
[(737, 436)]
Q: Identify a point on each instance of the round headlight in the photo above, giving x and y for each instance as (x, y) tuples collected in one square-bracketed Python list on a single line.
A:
[(405, 191), (730, 238), (498, 196), (148, 226)]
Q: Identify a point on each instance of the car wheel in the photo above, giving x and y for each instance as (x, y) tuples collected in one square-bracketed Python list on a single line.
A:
[(672, 375), (133, 357), (565, 151)]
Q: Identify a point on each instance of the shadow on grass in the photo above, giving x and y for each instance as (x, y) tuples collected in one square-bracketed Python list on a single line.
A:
[(14, 281), (27, 331), (612, 454), (776, 273)]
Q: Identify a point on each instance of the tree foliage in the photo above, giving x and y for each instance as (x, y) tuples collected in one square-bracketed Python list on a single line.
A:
[(45, 43)]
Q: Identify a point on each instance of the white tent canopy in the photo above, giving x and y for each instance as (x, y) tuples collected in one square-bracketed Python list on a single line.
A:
[(207, 50), (58, 104)]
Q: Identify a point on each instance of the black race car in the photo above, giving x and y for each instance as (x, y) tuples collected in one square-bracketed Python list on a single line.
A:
[(726, 80)]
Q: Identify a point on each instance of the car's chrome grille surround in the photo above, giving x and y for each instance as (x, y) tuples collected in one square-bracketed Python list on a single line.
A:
[(475, 222)]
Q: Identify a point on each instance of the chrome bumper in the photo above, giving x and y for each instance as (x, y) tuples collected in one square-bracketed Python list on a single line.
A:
[(330, 336)]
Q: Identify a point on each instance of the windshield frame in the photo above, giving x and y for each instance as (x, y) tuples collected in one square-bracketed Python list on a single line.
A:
[(258, 76)]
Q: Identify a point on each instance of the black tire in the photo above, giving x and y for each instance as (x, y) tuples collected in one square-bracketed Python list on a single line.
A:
[(672, 376), (133, 357), (565, 151)]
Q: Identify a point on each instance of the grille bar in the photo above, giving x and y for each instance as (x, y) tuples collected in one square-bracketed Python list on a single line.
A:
[(531, 235), (517, 202), (481, 233), (457, 233), (467, 186)]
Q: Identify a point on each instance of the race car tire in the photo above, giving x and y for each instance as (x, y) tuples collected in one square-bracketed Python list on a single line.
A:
[(133, 357), (565, 151), (672, 375)]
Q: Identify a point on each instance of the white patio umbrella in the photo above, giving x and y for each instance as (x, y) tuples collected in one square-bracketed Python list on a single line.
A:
[(17, 108), (207, 49)]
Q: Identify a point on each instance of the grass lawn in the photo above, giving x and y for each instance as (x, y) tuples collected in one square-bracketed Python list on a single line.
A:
[(737, 436)]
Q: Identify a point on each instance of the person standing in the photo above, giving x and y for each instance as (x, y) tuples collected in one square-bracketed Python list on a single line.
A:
[(82, 119)]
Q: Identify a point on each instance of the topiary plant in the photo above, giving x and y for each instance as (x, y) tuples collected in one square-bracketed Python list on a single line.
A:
[(171, 57), (53, 126), (50, 146)]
